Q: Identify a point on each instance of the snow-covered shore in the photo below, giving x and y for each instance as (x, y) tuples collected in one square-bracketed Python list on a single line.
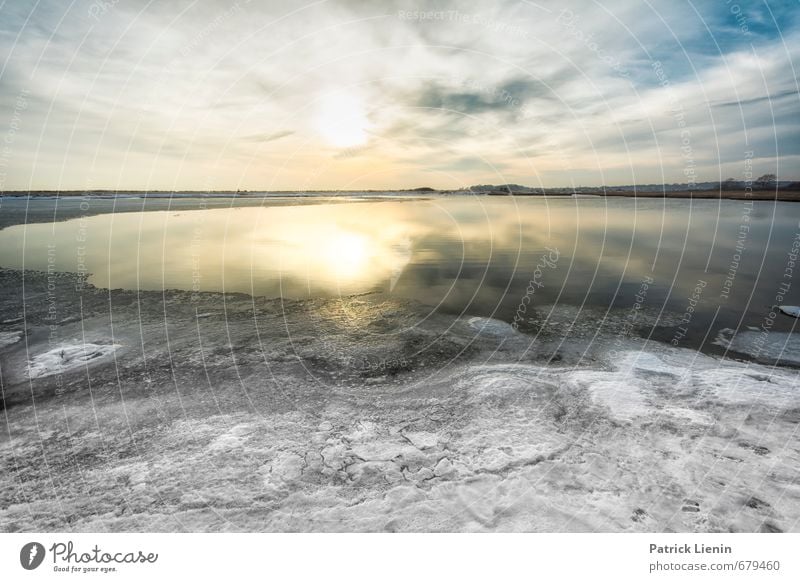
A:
[(210, 413)]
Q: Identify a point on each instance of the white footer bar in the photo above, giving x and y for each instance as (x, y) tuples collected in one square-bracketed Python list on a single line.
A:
[(388, 557)]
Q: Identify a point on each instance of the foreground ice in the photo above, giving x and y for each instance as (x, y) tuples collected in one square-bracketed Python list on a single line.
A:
[(364, 414), (8, 338), (772, 346), (790, 310), (66, 358)]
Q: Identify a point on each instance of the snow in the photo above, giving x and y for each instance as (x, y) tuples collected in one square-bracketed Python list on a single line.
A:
[(422, 440), (9, 338), (625, 388), (490, 326), (68, 357), (790, 310), (284, 469), (499, 382), (625, 400), (771, 346), (280, 435), (647, 362)]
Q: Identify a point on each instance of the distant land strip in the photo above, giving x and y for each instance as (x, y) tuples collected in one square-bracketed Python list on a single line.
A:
[(781, 194)]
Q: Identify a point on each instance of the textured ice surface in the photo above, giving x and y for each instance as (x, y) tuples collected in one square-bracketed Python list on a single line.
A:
[(491, 326), (362, 414), (8, 338), (790, 310), (770, 346), (684, 443), (66, 358)]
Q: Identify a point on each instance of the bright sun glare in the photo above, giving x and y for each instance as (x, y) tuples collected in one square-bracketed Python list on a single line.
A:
[(347, 255), (341, 120)]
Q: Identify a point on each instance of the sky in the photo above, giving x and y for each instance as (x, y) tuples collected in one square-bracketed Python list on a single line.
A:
[(367, 94)]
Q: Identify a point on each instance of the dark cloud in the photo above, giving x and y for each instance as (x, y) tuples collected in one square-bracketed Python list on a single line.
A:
[(435, 96), (476, 97), (770, 98)]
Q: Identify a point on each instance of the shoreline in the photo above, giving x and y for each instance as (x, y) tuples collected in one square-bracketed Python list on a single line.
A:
[(764, 196), (268, 415), (49, 207), (759, 195)]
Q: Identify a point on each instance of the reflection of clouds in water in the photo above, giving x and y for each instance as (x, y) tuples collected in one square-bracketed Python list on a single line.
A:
[(290, 250), (459, 249)]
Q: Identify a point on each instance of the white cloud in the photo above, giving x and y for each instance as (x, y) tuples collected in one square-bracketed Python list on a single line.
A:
[(170, 95)]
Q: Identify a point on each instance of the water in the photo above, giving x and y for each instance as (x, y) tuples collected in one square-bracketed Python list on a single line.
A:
[(713, 264)]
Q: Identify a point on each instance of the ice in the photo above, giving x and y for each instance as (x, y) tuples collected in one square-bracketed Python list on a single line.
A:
[(790, 310), (9, 338), (624, 390), (422, 440), (695, 417), (285, 468), (624, 399), (230, 440), (477, 433), (68, 357), (648, 362), (766, 346), (724, 337), (444, 468), (490, 326)]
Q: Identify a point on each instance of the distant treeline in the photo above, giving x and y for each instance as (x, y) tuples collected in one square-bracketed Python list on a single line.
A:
[(767, 182)]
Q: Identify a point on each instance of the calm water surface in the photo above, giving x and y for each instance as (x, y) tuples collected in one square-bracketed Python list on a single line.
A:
[(478, 255)]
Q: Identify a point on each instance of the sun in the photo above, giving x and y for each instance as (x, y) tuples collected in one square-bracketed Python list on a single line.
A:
[(341, 120)]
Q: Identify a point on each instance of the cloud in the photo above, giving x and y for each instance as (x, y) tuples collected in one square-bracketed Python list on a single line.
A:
[(174, 95), (267, 137), (758, 100)]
